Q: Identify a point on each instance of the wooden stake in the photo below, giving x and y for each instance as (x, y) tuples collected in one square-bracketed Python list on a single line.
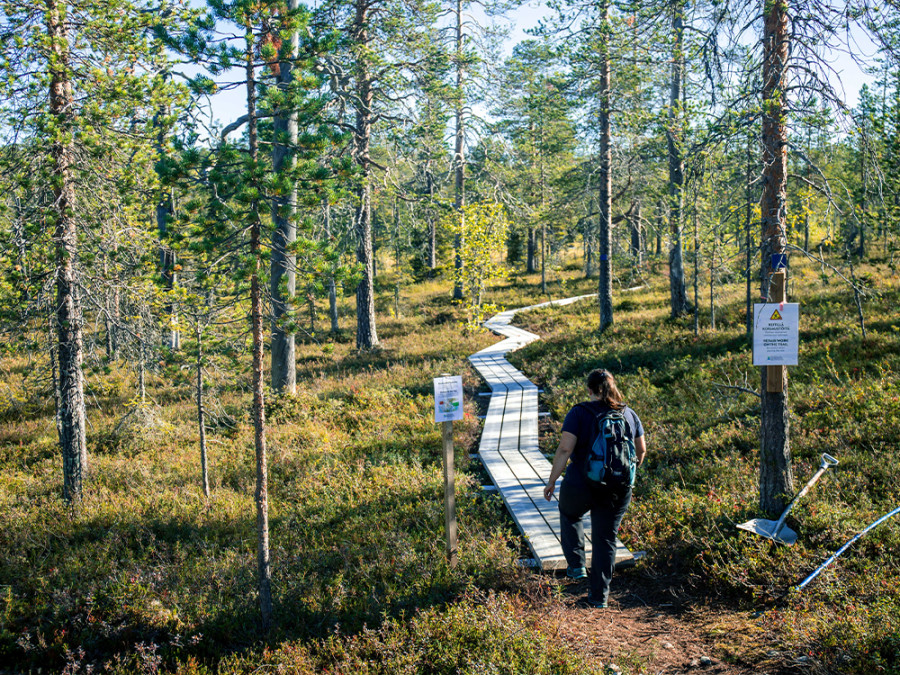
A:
[(449, 493), (776, 375)]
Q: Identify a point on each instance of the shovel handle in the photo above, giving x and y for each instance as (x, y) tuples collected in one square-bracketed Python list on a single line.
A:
[(827, 461)]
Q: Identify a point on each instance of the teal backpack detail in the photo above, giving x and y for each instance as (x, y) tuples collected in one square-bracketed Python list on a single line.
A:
[(611, 460)]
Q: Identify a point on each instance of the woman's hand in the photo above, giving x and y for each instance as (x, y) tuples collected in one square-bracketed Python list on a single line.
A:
[(549, 490)]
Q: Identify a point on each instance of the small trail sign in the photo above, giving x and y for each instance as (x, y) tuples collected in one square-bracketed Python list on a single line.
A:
[(448, 398), (776, 334)]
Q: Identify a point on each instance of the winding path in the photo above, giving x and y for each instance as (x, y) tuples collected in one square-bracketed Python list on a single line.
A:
[(509, 442)]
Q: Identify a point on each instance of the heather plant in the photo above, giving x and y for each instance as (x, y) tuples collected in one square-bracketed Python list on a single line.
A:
[(356, 519)]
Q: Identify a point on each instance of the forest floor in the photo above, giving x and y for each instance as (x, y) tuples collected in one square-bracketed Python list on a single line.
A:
[(663, 634), (148, 575)]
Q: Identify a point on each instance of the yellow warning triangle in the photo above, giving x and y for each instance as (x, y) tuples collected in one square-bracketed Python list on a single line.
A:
[(776, 316)]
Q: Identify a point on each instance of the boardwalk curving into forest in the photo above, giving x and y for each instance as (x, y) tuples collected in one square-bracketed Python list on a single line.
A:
[(509, 443)]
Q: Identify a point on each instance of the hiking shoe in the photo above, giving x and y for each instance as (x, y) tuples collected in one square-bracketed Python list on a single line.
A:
[(576, 572), (597, 604)]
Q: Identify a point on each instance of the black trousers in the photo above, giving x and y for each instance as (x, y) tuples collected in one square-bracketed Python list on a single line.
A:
[(607, 510)]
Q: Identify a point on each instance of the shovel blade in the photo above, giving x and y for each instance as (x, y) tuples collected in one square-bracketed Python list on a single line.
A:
[(766, 528)]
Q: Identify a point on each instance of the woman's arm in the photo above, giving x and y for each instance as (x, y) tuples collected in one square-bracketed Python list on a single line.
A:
[(640, 449), (563, 452)]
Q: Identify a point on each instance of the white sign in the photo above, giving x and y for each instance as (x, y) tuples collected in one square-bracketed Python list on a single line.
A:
[(448, 398), (776, 333)]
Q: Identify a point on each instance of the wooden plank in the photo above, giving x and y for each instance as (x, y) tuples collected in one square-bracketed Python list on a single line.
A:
[(509, 447)]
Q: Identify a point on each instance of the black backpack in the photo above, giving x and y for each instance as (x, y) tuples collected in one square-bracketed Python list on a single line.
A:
[(611, 459)]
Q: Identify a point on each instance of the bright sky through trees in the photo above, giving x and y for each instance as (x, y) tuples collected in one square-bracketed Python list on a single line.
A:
[(847, 73)]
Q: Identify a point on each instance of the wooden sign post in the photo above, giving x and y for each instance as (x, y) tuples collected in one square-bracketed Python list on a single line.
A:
[(448, 406), (449, 494)]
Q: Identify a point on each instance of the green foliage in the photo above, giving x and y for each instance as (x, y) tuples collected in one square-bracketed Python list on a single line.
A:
[(482, 230), (479, 634)]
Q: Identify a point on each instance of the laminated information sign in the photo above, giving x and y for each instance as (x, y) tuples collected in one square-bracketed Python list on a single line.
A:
[(448, 398), (776, 334)]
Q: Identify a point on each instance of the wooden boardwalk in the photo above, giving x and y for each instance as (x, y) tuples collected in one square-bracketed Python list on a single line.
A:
[(509, 443)]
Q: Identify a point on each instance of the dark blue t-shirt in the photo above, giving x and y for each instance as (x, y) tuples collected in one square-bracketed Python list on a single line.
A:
[(581, 422)]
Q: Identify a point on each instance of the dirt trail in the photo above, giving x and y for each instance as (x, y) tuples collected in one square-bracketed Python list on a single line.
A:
[(640, 633)]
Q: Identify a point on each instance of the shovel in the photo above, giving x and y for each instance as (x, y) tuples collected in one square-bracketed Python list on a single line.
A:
[(775, 529)]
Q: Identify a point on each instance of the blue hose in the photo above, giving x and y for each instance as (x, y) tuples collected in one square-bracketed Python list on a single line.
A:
[(843, 548)]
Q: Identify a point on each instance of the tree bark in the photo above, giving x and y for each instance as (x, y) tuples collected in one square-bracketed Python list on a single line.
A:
[(282, 265), (634, 221), (201, 417), (259, 405), (71, 413), (542, 185), (675, 137), (332, 285), (605, 186), (776, 476), (167, 259), (458, 157), (864, 199), (366, 334), (660, 226), (696, 268), (712, 288), (530, 253), (432, 220), (747, 230)]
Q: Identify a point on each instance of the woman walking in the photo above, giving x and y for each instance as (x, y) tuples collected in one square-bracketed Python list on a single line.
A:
[(607, 503)]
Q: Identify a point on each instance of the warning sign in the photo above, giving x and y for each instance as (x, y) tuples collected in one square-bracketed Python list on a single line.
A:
[(776, 334)]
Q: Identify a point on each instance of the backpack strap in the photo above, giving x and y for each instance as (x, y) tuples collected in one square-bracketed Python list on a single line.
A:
[(604, 411)]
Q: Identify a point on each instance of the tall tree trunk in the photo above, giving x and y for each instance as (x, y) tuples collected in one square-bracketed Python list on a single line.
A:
[(366, 335), (660, 226), (696, 266), (458, 159), (864, 198), (201, 415), (542, 179), (110, 305), (259, 404), (71, 413), (432, 220), (808, 174), (634, 221), (398, 262), (776, 476), (282, 265), (712, 283), (747, 231), (605, 187), (531, 251), (167, 258), (675, 139), (332, 285)]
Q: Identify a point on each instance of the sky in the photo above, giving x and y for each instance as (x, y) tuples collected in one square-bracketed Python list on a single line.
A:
[(847, 76)]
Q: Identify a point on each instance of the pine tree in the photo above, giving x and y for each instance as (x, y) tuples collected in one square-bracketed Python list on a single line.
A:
[(77, 92)]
